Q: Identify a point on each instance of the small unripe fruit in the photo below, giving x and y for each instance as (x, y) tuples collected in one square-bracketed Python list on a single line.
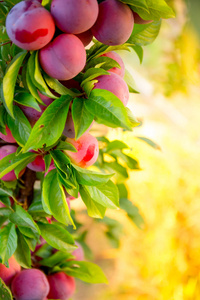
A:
[(4, 151), (64, 57), (114, 84), (30, 284), (29, 25), (62, 286), (7, 274), (8, 137), (87, 150)]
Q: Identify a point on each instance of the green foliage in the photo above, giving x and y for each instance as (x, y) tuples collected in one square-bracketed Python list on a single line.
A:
[(5, 292)]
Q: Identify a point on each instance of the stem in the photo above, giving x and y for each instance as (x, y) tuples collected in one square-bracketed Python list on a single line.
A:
[(25, 195), (5, 43)]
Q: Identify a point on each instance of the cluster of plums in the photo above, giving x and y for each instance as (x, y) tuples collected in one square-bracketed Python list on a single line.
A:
[(62, 33), (28, 284), (87, 144)]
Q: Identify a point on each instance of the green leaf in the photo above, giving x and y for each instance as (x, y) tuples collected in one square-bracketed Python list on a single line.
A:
[(139, 51), (106, 194), (103, 62), (108, 108), (120, 171), (11, 162), (54, 198), (65, 146), (8, 242), (157, 10), (6, 192), (4, 214), (134, 122), (87, 177), (82, 118), (27, 99), (50, 126), (41, 84), (36, 209), (138, 3), (149, 142), (55, 85), (130, 82), (19, 126), (92, 73), (95, 210), (32, 88), (132, 212), (143, 35), (131, 162), (55, 259), (5, 293), (22, 253), (86, 271), (11, 3), (3, 35), (22, 218), (28, 232), (9, 81), (3, 13), (57, 237), (116, 145)]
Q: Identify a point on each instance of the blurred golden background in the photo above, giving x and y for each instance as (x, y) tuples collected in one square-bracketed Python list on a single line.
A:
[(161, 261)]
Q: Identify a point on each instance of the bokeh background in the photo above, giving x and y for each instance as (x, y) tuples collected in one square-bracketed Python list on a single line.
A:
[(160, 261)]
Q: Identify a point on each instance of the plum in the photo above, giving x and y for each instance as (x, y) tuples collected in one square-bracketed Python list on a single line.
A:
[(29, 25), (7, 274), (30, 284), (38, 165), (62, 286), (87, 150), (4, 151), (117, 58), (74, 16), (139, 20), (114, 84), (64, 57), (114, 24), (78, 253), (85, 37), (8, 137)]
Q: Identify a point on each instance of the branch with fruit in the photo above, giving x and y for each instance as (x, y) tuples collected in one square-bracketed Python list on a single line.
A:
[(60, 73)]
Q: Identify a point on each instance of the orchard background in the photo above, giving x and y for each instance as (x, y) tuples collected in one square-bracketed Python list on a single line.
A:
[(160, 261)]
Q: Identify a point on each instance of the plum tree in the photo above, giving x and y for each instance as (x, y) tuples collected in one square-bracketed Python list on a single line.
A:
[(62, 286), (30, 284), (32, 114), (139, 20), (63, 65), (114, 23), (7, 274), (114, 84), (117, 58), (29, 25), (87, 150), (74, 16), (8, 137), (4, 151)]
